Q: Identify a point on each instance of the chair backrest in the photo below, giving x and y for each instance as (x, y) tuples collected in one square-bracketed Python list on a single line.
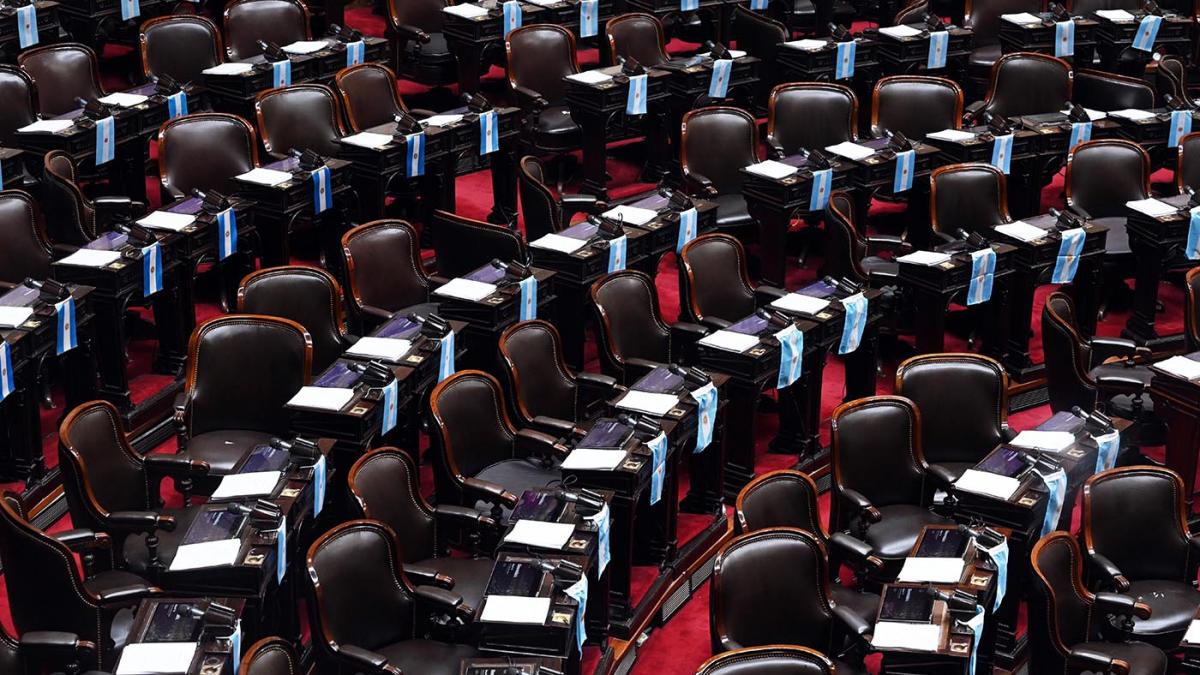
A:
[(1171, 78), (1136, 517), (1024, 83), (539, 57), (916, 105), (628, 320), (972, 197), (242, 370), (912, 14), (759, 35), (1060, 607), (63, 72), (963, 399), (844, 246), (811, 115), (463, 245), (1187, 166), (248, 21), (26, 252), (424, 14), (783, 498), (713, 279), (310, 296), (369, 95), (731, 129), (21, 109), (1191, 309), (539, 205), (539, 382), (102, 473), (983, 16), (1067, 357), (1099, 90), (383, 265), (205, 151), (1104, 174), (180, 46), (302, 116), (471, 429), (270, 656), (638, 35), (771, 660), (70, 218), (876, 450), (387, 487)]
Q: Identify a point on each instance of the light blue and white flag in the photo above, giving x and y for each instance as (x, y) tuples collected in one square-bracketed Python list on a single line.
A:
[(1056, 485), (939, 44), (152, 274), (999, 556), (847, 52), (706, 409), (822, 183), (281, 73), (983, 273), (446, 356), (1069, 250), (616, 253), (512, 16), (177, 105), (281, 551), (1002, 152), (635, 101), (906, 166), (1193, 238), (578, 591), (64, 314), (529, 299), (1146, 33), (106, 140), (356, 53), (130, 9), (589, 18), (320, 481), (718, 83), (7, 381), (658, 466), (391, 407), (226, 234), (791, 355), (489, 133), (1181, 125), (855, 323), (27, 26), (1064, 38), (415, 147), (1106, 450), (1081, 132), (687, 229), (322, 190), (603, 523)]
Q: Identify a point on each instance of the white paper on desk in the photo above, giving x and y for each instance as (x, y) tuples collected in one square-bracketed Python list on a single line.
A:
[(1092, 114), (923, 637), (442, 120), (147, 658), (232, 68), (593, 459), (388, 349), (736, 53), (630, 214), (1181, 366), (1022, 230), (1114, 14), (322, 398), (515, 609), (167, 220), (541, 534), (220, 553), (11, 317), (124, 100), (367, 139), (851, 150), (1132, 114), (929, 258), (772, 169), (87, 257), (1151, 207), (1021, 18), (252, 484), (1053, 441), (557, 242), (590, 77), (901, 32), (932, 570), (305, 46), (465, 289), (952, 135), (46, 126), (990, 484), (798, 302), (262, 176), (1192, 636), (730, 341), (467, 11), (648, 402), (808, 45)]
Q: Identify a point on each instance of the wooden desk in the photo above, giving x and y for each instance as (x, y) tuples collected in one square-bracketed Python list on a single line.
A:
[(903, 56), (1157, 245), (1177, 403)]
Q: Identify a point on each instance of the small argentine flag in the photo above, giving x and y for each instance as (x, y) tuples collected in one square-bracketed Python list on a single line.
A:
[(415, 144), (1081, 132), (7, 384), (489, 134), (589, 18), (227, 234), (355, 53), (906, 165), (64, 313), (1002, 152), (27, 27), (1064, 38), (106, 140), (529, 291), (939, 41), (843, 68), (177, 105), (635, 101), (152, 275), (1181, 125), (983, 272), (281, 73), (718, 83), (822, 181), (322, 190), (1146, 33), (130, 9), (512, 16)]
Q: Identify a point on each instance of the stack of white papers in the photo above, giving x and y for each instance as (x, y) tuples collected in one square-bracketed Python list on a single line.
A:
[(984, 483), (901, 32), (124, 100), (442, 120), (1133, 114), (1053, 441), (388, 349), (47, 126), (1093, 115), (593, 459), (515, 609), (305, 46), (11, 317), (729, 340), (88, 257), (804, 304), (648, 402), (367, 139), (590, 77), (772, 169), (929, 258), (553, 536), (932, 570), (269, 177), (952, 135), (167, 220), (1114, 14), (557, 242), (251, 484), (1151, 207), (633, 215), (157, 658), (1181, 366), (465, 289), (467, 11), (1021, 230), (807, 45), (218, 553), (1192, 636), (234, 68), (851, 150), (322, 398), (1021, 18), (923, 637)]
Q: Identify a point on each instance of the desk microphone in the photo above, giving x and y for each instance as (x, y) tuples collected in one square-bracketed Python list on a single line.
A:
[(839, 33), (310, 160), (958, 600), (630, 66), (897, 141), (1078, 114), (819, 159), (933, 22), (211, 201), (584, 497), (1065, 220), (300, 448), (343, 33), (93, 109), (135, 233), (1193, 201), (974, 239), (50, 291), (693, 376), (1095, 423), (716, 50), (165, 85), (1060, 13), (432, 325), (476, 103), (639, 424), (406, 123), (844, 285), (264, 515), (997, 124), (984, 535), (1151, 7), (774, 319), (272, 51), (215, 616)]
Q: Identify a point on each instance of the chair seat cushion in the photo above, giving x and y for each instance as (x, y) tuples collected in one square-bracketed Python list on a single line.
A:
[(983, 57), (1172, 607), (517, 476), (555, 128), (224, 449), (427, 657), (865, 605), (1117, 241), (108, 580), (893, 536), (470, 576), (135, 551), (732, 211), (1143, 659)]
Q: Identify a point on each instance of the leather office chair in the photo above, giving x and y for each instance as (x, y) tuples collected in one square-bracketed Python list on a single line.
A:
[(112, 488), (1067, 622), (851, 255), (717, 175), (1101, 176), (983, 18), (386, 485), (916, 105), (480, 458), (1025, 83), (44, 651), (963, 399), (281, 22), (63, 72), (1135, 531), (772, 587), (180, 46), (633, 338), (1098, 90), (543, 210), (545, 394), (72, 218), (369, 96), (270, 656), (770, 660), (310, 296), (808, 115), (302, 116), (365, 612), (882, 486), (971, 197), (463, 245), (46, 592), (1191, 309), (638, 35), (539, 57), (714, 283), (20, 107), (1171, 78), (241, 371), (1187, 164), (26, 250), (204, 151), (383, 266), (759, 36), (419, 46), (788, 498)]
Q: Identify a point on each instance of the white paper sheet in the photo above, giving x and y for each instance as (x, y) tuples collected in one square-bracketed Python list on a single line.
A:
[(1181, 366), (932, 570), (218, 553), (929, 258), (808, 45), (984, 483), (46, 126), (952, 135), (1053, 441), (593, 459), (266, 176), (557, 242), (11, 317), (590, 77), (729, 341), (466, 11), (367, 139), (305, 46), (87, 257), (465, 289), (442, 120), (772, 169), (322, 398), (233, 68), (1115, 14), (901, 32), (1132, 114), (1151, 207), (895, 634), (631, 214), (1092, 114), (804, 304), (553, 536), (1021, 230), (648, 402), (252, 484), (157, 658), (166, 220), (388, 349), (851, 150), (1192, 636), (1021, 18), (124, 100), (515, 609)]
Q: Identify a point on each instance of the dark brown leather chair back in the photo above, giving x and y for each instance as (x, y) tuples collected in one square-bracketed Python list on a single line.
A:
[(916, 105), (638, 35), (733, 130), (1024, 83), (983, 17), (470, 429), (1187, 166), (270, 656), (310, 296), (1191, 309), (70, 217), (63, 72), (714, 280), (1099, 90), (26, 251), (973, 197), (772, 660), (844, 246), (387, 487), (963, 399), (463, 245), (811, 115), (205, 151), (759, 35), (247, 21), (1060, 606), (783, 498), (876, 450), (1104, 174), (102, 473), (180, 46), (1067, 356), (539, 206), (539, 57), (1171, 78), (912, 14), (538, 380), (383, 265), (302, 116), (426, 15), (1136, 517), (628, 320), (242, 370), (20, 101), (369, 95)]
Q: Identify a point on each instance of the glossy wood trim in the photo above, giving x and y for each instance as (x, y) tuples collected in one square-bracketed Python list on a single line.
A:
[(158, 21), (997, 175), (976, 359), (514, 373), (365, 229), (616, 22), (572, 51), (901, 80), (199, 118), (752, 127), (344, 95), (684, 261), (435, 412), (335, 106), (337, 312)]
